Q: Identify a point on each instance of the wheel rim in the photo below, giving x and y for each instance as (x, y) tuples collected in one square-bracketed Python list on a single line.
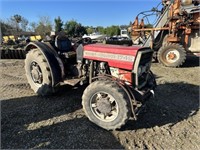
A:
[(104, 106), (36, 73), (172, 55)]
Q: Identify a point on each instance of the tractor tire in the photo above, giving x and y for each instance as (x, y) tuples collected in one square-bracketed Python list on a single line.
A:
[(152, 81), (106, 104), (38, 73), (171, 55)]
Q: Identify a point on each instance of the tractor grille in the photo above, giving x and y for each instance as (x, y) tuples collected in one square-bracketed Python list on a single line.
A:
[(145, 58), (142, 79), (144, 65)]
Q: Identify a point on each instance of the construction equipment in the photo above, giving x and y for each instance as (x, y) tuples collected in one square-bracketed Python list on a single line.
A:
[(35, 38), (174, 35), (119, 78), (11, 48)]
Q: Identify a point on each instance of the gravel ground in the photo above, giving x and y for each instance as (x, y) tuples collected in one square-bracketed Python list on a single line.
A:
[(171, 120)]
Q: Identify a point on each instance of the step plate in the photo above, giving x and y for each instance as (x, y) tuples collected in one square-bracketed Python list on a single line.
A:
[(72, 82)]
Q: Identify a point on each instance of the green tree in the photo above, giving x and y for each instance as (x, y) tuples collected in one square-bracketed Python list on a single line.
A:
[(123, 26), (18, 22), (58, 24), (33, 26), (89, 30), (17, 19), (101, 30), (148, 26), (80, 30), (70, 27), (24, 23), (113, 30), (6, 28), (74, 28), (44, 27)]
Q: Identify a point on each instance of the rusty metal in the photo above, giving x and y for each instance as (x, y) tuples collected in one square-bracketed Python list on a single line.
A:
[(179, 20), (188, 31), (172, 38), (151, 29)]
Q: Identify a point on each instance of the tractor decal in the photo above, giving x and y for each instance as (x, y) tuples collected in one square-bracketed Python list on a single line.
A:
[(114, 60), (119, 57)]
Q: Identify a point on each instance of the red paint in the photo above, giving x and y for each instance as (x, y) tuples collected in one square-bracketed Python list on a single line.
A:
[(113, 49), (125, 75)]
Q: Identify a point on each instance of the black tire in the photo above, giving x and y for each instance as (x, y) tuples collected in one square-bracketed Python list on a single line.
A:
[(171, 55), (1, 54), (11, 54), (43, 84), (8, 55), (20, 53), (121, 102), (15, 53)]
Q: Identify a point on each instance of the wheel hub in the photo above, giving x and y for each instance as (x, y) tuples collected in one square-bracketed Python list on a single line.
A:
[(172, 55), (104, 106), (36, 73)]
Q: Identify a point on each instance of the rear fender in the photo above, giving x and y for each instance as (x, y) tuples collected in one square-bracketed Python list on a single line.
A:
[(52, 58)]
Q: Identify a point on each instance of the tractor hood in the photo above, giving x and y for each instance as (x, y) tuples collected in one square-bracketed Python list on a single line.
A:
[(116, 56)]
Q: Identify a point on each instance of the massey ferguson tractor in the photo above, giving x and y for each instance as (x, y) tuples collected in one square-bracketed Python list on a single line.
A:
[(175, 34), (118, 77)]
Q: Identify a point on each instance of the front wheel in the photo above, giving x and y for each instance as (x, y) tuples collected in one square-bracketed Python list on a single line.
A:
[(152, 81), (38, 73), (106, 104), (171, 55)]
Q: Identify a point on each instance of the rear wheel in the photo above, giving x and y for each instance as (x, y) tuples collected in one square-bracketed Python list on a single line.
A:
[(38, 73), (171, 55), (106, 104)]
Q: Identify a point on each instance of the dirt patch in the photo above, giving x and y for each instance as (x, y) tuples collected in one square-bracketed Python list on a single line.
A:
[(170, 120)]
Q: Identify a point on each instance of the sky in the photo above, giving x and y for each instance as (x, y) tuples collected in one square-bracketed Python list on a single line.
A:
[(87, 12)]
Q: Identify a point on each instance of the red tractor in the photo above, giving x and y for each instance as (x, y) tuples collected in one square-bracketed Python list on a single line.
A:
[(119, 77)]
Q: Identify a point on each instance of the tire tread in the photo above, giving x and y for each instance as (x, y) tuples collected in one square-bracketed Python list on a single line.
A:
[(116, 89), (172, 45)]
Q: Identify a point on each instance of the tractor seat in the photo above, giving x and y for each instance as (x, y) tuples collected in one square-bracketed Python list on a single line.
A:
[(63, 43)]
